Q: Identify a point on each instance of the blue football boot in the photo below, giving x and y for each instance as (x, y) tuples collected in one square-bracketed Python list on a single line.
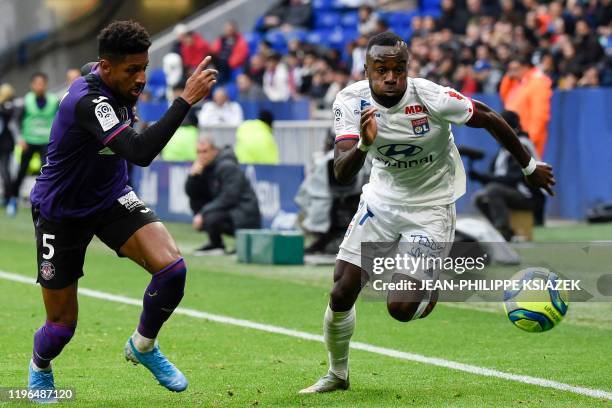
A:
[(163, 370), (41, 381)]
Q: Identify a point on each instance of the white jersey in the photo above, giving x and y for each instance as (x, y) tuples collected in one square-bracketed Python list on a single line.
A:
[(414, 158)]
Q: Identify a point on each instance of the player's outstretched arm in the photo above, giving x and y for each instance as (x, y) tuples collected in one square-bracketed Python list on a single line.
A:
[(536, 174), (349, 155), (142, 148)]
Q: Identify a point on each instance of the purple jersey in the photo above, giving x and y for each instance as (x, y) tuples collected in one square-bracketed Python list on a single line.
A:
[(83, 177)]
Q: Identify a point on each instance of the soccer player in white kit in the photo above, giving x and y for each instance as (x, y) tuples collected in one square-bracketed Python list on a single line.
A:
[(404, 124)]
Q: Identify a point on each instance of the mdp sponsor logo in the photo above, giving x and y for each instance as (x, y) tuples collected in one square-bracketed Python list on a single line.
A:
[(420, 126), (47, 270), (412, 109), (399, 151)]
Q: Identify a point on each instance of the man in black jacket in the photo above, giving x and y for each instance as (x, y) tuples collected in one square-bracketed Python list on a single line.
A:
[(220, 196), (504, 185)]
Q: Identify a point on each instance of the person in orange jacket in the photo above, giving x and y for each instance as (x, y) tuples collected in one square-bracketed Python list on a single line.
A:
[(527, 91)]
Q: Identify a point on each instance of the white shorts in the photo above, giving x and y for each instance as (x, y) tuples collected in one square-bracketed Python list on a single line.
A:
[(412, 224)]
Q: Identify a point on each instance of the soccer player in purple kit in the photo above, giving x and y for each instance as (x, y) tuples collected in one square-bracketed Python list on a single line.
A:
[(82, 191)]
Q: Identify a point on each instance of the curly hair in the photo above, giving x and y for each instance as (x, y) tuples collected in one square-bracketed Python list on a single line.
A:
[(121, 38)]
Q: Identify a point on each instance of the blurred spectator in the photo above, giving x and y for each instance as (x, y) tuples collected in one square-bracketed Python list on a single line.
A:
[(327, 206), (190, 46), (588, 49), (590, 78), (256, 68), (172, 66), (220, 111), (255, 143), (308, 70), (220, 196), (182, 145), (341, 79), (276, 79), (321, 81), (7, 138), (453, 17), (510, 12), (290, 15), (527, 91), (568, 81), (359, 56), (71, 75), (249, 90), (295, 74), (504, 185), (368, 21), (230, 51), (39, 109)]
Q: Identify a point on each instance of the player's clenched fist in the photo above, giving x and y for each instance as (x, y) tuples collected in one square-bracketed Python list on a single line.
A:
[(368, 126), (200, 82), (542, 177)]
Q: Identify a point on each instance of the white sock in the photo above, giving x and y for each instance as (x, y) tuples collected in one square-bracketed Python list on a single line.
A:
[(37, 368), (143, 344), (338, 329)]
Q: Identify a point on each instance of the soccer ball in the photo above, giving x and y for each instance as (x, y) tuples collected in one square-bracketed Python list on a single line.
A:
[(533, 307)]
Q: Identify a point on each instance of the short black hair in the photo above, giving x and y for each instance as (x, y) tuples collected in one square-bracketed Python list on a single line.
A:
[(39, 74), (121, 38), (521, 59), (387, 38), (266, 116)]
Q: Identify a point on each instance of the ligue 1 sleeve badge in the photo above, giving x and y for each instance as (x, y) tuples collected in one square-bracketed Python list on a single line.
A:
[(47, 270), (420, 126)]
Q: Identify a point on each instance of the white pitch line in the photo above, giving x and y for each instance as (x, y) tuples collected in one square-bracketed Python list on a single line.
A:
[(402, 355)]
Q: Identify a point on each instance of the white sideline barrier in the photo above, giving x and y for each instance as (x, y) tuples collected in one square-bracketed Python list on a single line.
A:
[(298, 141)]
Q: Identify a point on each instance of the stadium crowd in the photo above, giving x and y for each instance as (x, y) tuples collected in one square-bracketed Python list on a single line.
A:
[(467, 45)]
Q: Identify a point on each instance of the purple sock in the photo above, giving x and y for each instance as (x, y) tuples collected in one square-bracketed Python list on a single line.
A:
[(162, 296), (49, 341)]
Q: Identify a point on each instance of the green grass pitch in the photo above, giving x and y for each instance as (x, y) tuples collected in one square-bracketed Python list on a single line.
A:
[(235, 366)]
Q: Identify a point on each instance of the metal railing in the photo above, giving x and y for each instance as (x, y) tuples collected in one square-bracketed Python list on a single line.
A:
[(299, 142)]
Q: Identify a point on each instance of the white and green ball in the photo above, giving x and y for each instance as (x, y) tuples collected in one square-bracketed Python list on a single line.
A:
[(535, 310)]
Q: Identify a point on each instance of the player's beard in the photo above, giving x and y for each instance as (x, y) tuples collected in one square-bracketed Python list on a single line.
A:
[(386, 100), (134, 93)]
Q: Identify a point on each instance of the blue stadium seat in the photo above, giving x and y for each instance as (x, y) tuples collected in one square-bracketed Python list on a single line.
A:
[(156, 85), (259, 26), (433, 12), (299, 34), (151, 111), (350, 19), (317, 36), (403, 31), (338, 38), (232, 90), (400, 18), (324, 19), (430, 4), (322, 4), (235, 72), (275, 37), (253, 39)]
